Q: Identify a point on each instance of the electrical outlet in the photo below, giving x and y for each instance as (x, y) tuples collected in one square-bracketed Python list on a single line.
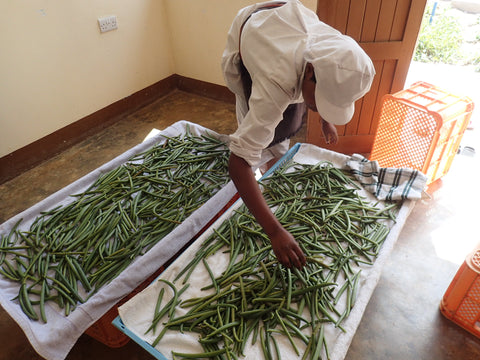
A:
[(107, 23)]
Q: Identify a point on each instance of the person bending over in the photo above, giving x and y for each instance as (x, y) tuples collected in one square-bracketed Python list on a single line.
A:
[(279, 61)]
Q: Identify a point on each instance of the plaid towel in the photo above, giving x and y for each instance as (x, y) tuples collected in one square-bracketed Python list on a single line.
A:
[(387, 183)]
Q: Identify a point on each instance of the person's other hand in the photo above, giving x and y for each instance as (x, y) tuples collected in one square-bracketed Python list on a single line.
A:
[(287, 250), (330, 132)]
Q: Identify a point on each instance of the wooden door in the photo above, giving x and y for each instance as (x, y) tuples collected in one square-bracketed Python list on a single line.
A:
[(387, 30)]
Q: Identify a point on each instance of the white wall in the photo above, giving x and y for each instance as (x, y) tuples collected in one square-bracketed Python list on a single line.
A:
[(56, 67), (199, 30)]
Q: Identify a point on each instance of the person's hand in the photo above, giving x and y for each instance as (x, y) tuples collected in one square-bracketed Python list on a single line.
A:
[(330, 132), (286, 249)]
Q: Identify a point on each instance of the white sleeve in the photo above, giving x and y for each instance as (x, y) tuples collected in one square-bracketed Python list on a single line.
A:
[(256, 131)]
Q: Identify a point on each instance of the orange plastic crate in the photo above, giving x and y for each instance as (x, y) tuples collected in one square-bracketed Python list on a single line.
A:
[(421, 128), (461, 302)]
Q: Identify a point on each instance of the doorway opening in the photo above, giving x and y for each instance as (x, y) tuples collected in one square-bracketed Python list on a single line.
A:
[(447, 55)]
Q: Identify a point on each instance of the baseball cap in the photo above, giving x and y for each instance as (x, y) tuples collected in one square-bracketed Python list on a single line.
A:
[(343, 72)]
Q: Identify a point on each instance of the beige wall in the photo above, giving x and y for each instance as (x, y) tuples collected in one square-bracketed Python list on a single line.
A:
[(199, 29), (56, 67)]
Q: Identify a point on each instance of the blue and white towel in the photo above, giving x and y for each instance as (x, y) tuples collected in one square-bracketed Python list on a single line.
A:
[(387, 183)]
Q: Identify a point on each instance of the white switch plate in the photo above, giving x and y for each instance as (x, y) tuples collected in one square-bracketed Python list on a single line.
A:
[(107, 23)]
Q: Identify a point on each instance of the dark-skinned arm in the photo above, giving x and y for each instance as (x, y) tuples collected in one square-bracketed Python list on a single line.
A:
[(285, 247), (329, 132)]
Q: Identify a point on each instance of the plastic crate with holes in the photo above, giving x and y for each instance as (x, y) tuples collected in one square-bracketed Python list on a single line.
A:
[(421, 128), (461, 302)]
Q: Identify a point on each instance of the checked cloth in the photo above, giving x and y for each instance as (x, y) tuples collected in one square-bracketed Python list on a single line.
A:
[(387, 183)]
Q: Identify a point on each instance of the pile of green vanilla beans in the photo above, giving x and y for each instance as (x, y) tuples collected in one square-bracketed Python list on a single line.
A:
[(70, 252), (255, 299)]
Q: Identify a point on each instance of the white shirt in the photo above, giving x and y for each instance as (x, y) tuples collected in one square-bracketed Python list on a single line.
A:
[(272, 49)]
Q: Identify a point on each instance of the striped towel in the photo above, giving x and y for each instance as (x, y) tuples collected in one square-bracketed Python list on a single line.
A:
[(387, 183)]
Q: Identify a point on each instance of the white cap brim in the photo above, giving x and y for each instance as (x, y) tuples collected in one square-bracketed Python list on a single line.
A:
[(343, 71), (335, 115)]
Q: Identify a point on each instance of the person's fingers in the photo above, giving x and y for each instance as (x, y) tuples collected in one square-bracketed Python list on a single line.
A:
[(331, 139), (300, 255), (290, 254), (284, 260), (297, 263), (298, 258), (302, 259), (293, 260), (289, 260), (287, 263)]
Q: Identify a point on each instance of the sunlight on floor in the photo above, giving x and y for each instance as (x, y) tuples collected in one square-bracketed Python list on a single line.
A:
[(453, 241), (457, 236)]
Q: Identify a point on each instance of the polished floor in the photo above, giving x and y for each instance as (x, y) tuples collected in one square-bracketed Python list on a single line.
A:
[(402, 320)]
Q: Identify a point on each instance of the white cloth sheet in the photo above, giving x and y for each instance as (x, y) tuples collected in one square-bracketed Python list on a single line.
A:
[(54, 339), (136, 314)]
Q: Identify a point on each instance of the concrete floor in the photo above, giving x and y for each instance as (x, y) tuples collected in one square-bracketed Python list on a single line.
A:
[(402, 320)]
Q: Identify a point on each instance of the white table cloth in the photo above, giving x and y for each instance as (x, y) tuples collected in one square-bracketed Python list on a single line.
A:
[(136, 314), (54, 339)]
